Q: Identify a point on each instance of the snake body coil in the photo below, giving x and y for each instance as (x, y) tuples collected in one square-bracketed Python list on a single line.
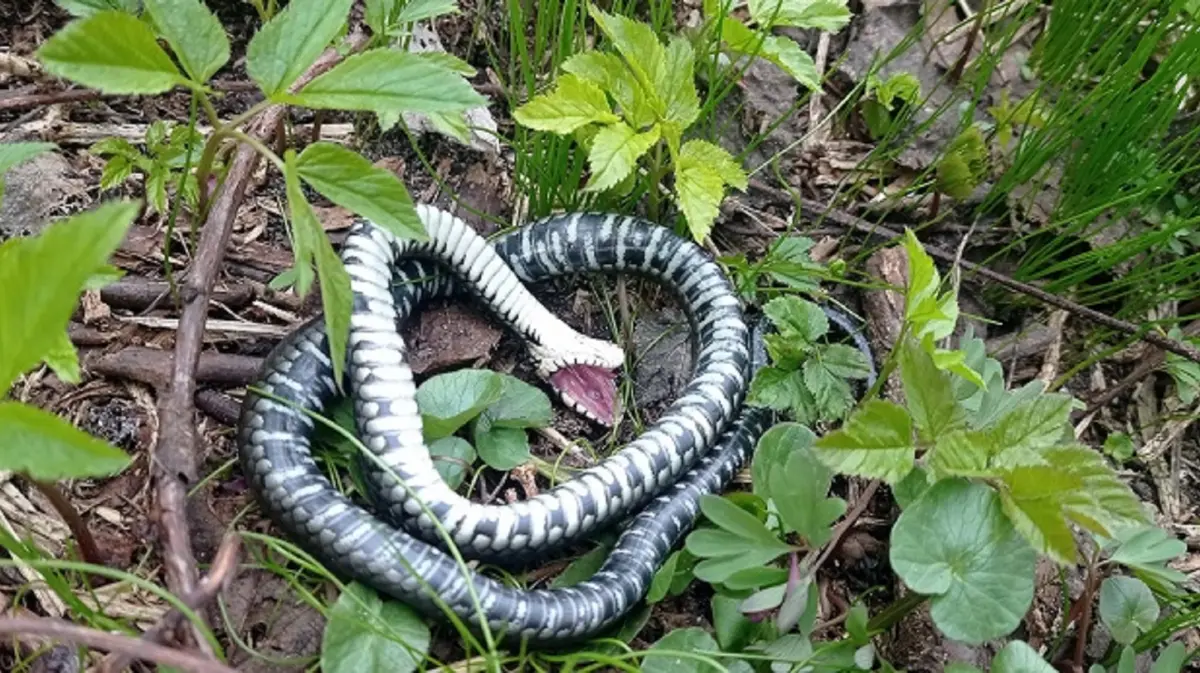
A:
[(693, 449)]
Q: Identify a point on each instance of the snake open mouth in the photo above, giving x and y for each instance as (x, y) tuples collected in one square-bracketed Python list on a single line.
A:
[(591, 389)]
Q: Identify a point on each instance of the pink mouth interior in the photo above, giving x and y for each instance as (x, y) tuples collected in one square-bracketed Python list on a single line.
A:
[(594, 388)]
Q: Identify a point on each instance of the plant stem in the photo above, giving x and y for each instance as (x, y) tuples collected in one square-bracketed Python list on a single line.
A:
[(898, 610), (258, 147), (87, 544), (656, 176), (1085, 619)]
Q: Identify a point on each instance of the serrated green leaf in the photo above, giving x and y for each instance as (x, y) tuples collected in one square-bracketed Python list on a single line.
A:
[(677, 83), (832, 393), (1019, 657), (365, 634), (643, 53), (41, 278), (615, 151), (956, 545), (910, 489), (448, 401), (291, 41), (827, 15), (503, 448), (959, 453), (776, 389), (797, 318), (717, 158), (698, 192), (876, 442), (451, 457), (348, 179), (929, 393), (47, 448), (1105, 502), (575, 102), (610, 73), (1020, 436), (419, 10), (111, 51), (1119, 446), (1127, 608), (780, 50), (387, 81), (194, 33), (845, 361), (964, 165)]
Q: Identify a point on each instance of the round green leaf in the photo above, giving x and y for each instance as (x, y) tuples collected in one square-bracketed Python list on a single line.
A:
[(364, 634), (1127, 608), (112, 51), (1019, 657), (452, 456), (520, 406), (448, 401), (687, 641), (503, 448), (956, 545)]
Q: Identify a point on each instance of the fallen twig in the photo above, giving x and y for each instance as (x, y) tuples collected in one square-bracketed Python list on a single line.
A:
[(221, 407), (223, 566), (817, 211), (1149, 364), (137, 649), (52, 98), (174, 468), (153, 367), (139, 294)]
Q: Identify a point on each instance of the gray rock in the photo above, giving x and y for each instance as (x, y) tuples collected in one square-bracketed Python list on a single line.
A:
[(664, 356), (34, 192)]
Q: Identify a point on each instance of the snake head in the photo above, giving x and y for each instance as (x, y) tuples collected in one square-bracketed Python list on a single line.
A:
[(584, 374)]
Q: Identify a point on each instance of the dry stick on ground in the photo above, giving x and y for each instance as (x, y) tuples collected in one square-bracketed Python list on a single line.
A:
[(222, 570), (53, 98), (60, 629), (174, 466), (1149, 364), (817, 211)]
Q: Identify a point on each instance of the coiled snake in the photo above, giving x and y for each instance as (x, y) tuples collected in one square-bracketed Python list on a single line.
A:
[(694, 448)]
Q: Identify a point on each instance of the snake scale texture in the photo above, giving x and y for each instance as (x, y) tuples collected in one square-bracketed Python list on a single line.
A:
[(654, 483)]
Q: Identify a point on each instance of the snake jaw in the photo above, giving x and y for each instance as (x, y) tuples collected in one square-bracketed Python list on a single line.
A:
[(584, 376)]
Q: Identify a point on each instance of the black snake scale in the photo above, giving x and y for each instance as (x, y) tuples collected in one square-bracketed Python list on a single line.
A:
[(694, 449)]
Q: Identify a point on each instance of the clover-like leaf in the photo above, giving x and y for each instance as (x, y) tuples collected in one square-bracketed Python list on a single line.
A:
[(956, 545), (112, 51), (740, 542), (1127, 608), (365, 634), (1148, 548), (574, 102), (875, 442)]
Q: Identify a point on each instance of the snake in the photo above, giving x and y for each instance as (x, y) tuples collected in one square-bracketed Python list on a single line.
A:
[(653, 484)]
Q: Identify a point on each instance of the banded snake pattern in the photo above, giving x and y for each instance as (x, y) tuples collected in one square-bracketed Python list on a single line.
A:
[(694, 448)]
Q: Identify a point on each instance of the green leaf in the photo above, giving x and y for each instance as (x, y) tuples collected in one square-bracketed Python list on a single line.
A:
[(799, 488), (876, 442), (194, 33), (41, 278), (1019, 657), (348, 179), (615, 151), (1119, 446), (365, 634), (959, 453), (291, 42), (111, 51), (677, 84), (930, 394), (910, 489), (383, 81), (1171, 659), (733, 630), (419, 10), (772, 451), (956, 545), (448, 401), (729, 517), (89, 7), (845, 361), (47, 448), (661, 584), (797, 318), (964, 164), (827, 15), (778, 49), (742, 542), (701, 173), (312, 245), (1034, 501), (520, 406), (63, 360), (609, 72), (1127, 608), (1031, 427), (692, 640), (643, 53), (776, 389), (452, 456), (378, 15), (582, 568), (1146, 545), (573, 103), (503, 448), (831, 392)]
